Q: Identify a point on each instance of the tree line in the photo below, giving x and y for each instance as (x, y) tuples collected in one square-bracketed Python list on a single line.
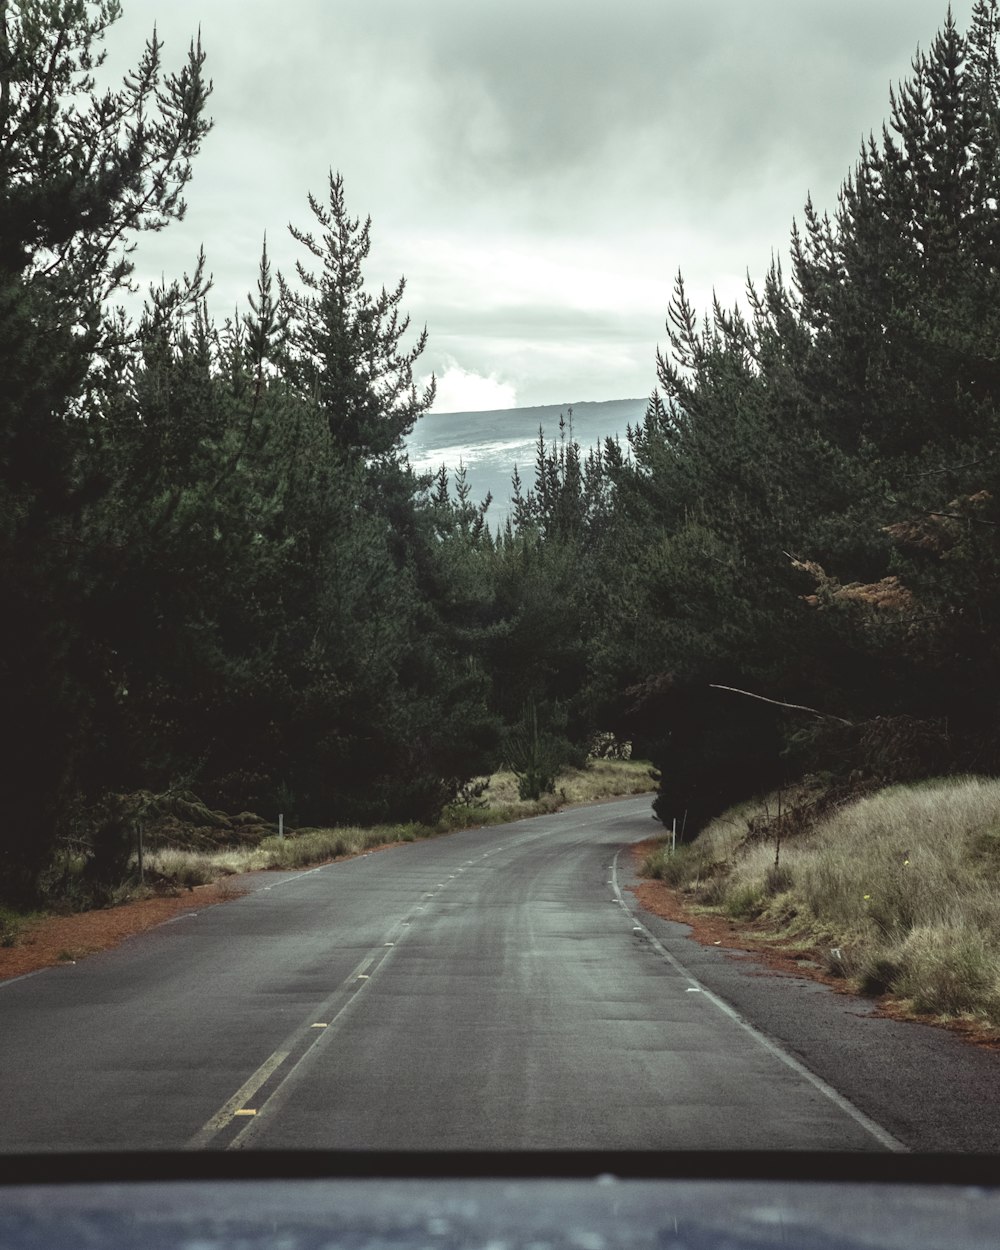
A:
[(794, 565), (221, 573)]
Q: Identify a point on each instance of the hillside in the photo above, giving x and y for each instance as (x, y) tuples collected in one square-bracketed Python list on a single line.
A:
[(489, 444)]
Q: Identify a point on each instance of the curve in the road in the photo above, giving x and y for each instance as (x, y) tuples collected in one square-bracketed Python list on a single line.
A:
[(494, 989)]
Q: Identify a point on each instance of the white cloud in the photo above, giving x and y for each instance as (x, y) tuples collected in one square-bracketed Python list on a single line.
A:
[(461, 390)]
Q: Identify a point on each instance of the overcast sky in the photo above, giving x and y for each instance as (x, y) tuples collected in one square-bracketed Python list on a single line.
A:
[(537, 169)]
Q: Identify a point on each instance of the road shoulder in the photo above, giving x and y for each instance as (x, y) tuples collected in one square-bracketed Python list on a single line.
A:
[(924, 1084)]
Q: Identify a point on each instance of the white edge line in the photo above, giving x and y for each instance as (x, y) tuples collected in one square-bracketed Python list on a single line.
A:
[(163, 923), (24, 975), (188, 915), (883, 1137), (273, 885)]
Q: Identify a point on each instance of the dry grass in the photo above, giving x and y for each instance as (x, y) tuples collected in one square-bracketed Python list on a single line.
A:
[(601, 779), (903, 887), (304, 848), (500, 803), (605, 779)]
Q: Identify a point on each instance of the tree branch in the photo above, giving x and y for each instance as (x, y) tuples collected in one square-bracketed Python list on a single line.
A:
[(962, 516), (795, 707)]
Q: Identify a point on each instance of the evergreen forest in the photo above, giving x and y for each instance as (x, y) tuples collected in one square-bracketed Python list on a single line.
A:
[(221, 575)]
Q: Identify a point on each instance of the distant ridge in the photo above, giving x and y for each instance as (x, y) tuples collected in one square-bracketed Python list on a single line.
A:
[(491, 442), (592, 406)]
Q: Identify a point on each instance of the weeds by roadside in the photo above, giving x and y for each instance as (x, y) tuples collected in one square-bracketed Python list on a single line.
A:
[(11, 927), (901, 887), (170, 867), (496, 803)]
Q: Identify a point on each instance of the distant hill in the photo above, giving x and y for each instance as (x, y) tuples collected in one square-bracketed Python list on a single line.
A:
[(489, 444)]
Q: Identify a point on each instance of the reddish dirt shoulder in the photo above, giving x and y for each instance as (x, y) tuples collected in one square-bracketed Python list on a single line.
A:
[(64, 939)]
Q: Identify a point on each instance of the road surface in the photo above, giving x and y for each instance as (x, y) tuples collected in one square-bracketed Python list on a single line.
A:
[(493, 989)]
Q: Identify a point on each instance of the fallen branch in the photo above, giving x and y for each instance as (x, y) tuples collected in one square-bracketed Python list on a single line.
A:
[(962, 516), (795, 707)]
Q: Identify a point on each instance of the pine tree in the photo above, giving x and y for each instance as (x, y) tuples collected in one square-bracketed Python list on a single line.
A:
[(81, 173), (830, 425), (345, 344)]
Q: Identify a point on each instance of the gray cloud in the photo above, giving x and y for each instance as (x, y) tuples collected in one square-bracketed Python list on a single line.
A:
[(538, 323), (538, 169)]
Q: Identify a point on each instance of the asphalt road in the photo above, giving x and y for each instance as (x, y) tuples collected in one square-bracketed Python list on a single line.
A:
[(493, 989)]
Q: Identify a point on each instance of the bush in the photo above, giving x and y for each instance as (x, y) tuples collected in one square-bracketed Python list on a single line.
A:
[(778, 880), (112, 841), (11, 927), (675, 869), (948, 970), (745, 901), (878, 973), (534, 756), (183, 868)]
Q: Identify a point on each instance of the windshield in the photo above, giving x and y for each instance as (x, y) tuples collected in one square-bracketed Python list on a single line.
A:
[(545, 703)]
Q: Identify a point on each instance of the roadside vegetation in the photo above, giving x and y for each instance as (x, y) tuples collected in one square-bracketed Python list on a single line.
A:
[(11, 926), (898, 890), (185, 844), (493, 802)]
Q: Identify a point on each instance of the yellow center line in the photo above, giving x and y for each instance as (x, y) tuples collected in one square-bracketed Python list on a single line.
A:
[(239, 1100), (236, 1106)]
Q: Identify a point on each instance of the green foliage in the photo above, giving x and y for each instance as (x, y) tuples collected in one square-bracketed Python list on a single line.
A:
[(219, 571), (808, 511), (532, 755), (11, 927), (674, 867), (345, 344), (78, 179)]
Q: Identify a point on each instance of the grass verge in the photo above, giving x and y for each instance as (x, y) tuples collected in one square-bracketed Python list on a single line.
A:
[(176, 864), (900, 890), (304, 848)]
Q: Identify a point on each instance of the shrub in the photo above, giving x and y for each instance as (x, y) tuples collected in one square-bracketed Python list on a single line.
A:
[(11, 927), (949, 969), (745, 901), (778, 879), (533, 755), (878, 973)]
